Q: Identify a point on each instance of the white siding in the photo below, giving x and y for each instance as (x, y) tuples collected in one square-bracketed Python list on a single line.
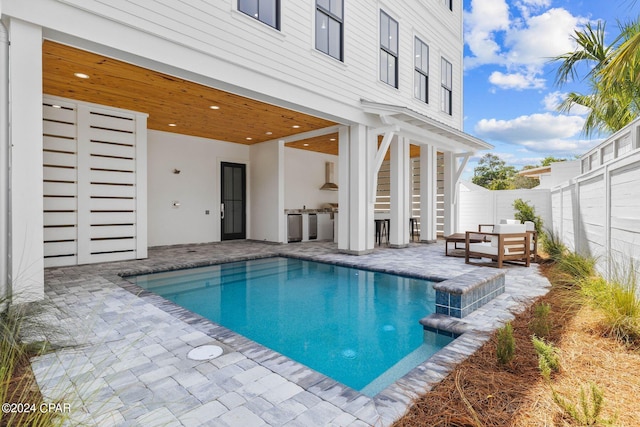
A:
[(232, 50)]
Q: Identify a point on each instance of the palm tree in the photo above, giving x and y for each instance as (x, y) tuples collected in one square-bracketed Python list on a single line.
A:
[(613, 76)]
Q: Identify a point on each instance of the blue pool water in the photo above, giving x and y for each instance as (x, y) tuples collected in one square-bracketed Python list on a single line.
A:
[(358, 327)]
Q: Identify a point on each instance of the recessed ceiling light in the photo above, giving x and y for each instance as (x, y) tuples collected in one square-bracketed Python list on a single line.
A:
[(214, 107), (81, 75), (248, 138), (295, 126), (332, 139), (173, 125), (305, 145), (268, 133)]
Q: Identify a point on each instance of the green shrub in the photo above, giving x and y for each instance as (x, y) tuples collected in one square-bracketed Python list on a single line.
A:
[(527, 212), (541, 323), (506, 345), (548, 360), (576, 267), (587, 411), (552, 245), (618, 301)]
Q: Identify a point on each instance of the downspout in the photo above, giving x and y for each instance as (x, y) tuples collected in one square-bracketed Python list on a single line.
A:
[(5, 289)]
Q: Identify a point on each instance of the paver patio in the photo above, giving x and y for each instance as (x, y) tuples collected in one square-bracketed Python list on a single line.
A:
[(124, 360)]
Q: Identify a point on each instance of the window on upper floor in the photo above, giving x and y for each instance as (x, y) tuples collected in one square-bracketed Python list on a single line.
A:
[(447, 86), (388, 50), (329, 23), (421, 73), (267, 11)]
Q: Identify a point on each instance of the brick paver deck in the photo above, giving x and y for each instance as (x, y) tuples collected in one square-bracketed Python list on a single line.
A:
[(124, 356)]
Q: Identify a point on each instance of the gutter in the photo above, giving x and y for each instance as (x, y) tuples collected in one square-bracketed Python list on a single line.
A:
[(5, 289)]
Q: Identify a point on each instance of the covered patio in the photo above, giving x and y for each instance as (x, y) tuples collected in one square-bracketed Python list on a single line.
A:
[(126, 362)]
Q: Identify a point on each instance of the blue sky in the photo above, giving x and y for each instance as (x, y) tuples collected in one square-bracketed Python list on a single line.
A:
[(510, 96)]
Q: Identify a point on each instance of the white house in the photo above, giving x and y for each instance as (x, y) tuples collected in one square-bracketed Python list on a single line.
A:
[(136, 123)]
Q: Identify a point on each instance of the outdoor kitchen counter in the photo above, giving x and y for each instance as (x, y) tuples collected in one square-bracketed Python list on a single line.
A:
[(309, 211)]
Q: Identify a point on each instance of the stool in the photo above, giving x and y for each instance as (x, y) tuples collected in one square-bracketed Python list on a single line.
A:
[(413, 227), (381, 229)]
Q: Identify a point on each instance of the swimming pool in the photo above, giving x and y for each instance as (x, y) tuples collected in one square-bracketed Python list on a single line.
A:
[(358, 327)]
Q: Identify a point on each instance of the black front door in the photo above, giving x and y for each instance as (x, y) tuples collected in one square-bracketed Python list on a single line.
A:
[(233, 195)]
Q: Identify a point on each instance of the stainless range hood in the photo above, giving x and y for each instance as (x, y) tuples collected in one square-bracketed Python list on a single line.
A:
[(329, 184)]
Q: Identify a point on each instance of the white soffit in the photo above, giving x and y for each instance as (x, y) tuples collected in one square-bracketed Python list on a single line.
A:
[(423, 129)]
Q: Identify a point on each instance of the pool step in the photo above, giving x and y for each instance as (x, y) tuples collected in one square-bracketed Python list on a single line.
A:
[(445, 325)]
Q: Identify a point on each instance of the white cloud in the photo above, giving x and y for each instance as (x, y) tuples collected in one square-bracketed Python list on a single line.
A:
[(516, 81), (541, 38), (486, 19), (541, 133), (522, 40)]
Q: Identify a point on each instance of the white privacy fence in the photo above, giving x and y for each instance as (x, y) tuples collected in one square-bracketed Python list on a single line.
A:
[(598, 212), (481, 206)]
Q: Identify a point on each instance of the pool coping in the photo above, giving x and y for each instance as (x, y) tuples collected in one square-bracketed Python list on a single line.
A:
[(391, 402)]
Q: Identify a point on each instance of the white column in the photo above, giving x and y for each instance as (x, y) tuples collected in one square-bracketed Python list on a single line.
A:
[(400, 193), (355, 211), (428, 193), (26, 201), (450, 211)]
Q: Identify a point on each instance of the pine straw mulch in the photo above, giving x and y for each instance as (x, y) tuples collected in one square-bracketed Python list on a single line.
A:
[(22, 388), (480, 392)]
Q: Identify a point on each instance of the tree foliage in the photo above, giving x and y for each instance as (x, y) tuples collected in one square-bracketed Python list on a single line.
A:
[(612, 73), (493, 173)]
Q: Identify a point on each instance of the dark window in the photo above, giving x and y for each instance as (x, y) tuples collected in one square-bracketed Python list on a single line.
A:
[(449, 4), (329, 22), (388, 50), (447, 86), (421, 77), (267, 11)]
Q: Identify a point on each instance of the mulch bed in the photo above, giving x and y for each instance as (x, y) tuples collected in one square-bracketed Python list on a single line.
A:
[(481, 392)]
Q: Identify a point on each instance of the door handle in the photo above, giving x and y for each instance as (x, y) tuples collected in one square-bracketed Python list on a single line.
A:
[(221, 210)]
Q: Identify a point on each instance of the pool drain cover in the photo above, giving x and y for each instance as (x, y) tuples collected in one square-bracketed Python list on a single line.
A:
[(205, 352), (349, 354)]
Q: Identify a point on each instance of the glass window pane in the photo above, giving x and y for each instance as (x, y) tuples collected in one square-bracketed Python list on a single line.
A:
[(250, 7), (416, 84), (324, 3), (384, 30), (418, 53), (392, 70), (425, 58), (267, 12), (393, 34), (322, 32), (237, 184), (384, 66), (336, 8), (335, 42), (237, 217)]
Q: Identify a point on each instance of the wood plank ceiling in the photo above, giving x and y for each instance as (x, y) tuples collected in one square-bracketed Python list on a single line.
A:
[(177, 105), (174, 104)]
